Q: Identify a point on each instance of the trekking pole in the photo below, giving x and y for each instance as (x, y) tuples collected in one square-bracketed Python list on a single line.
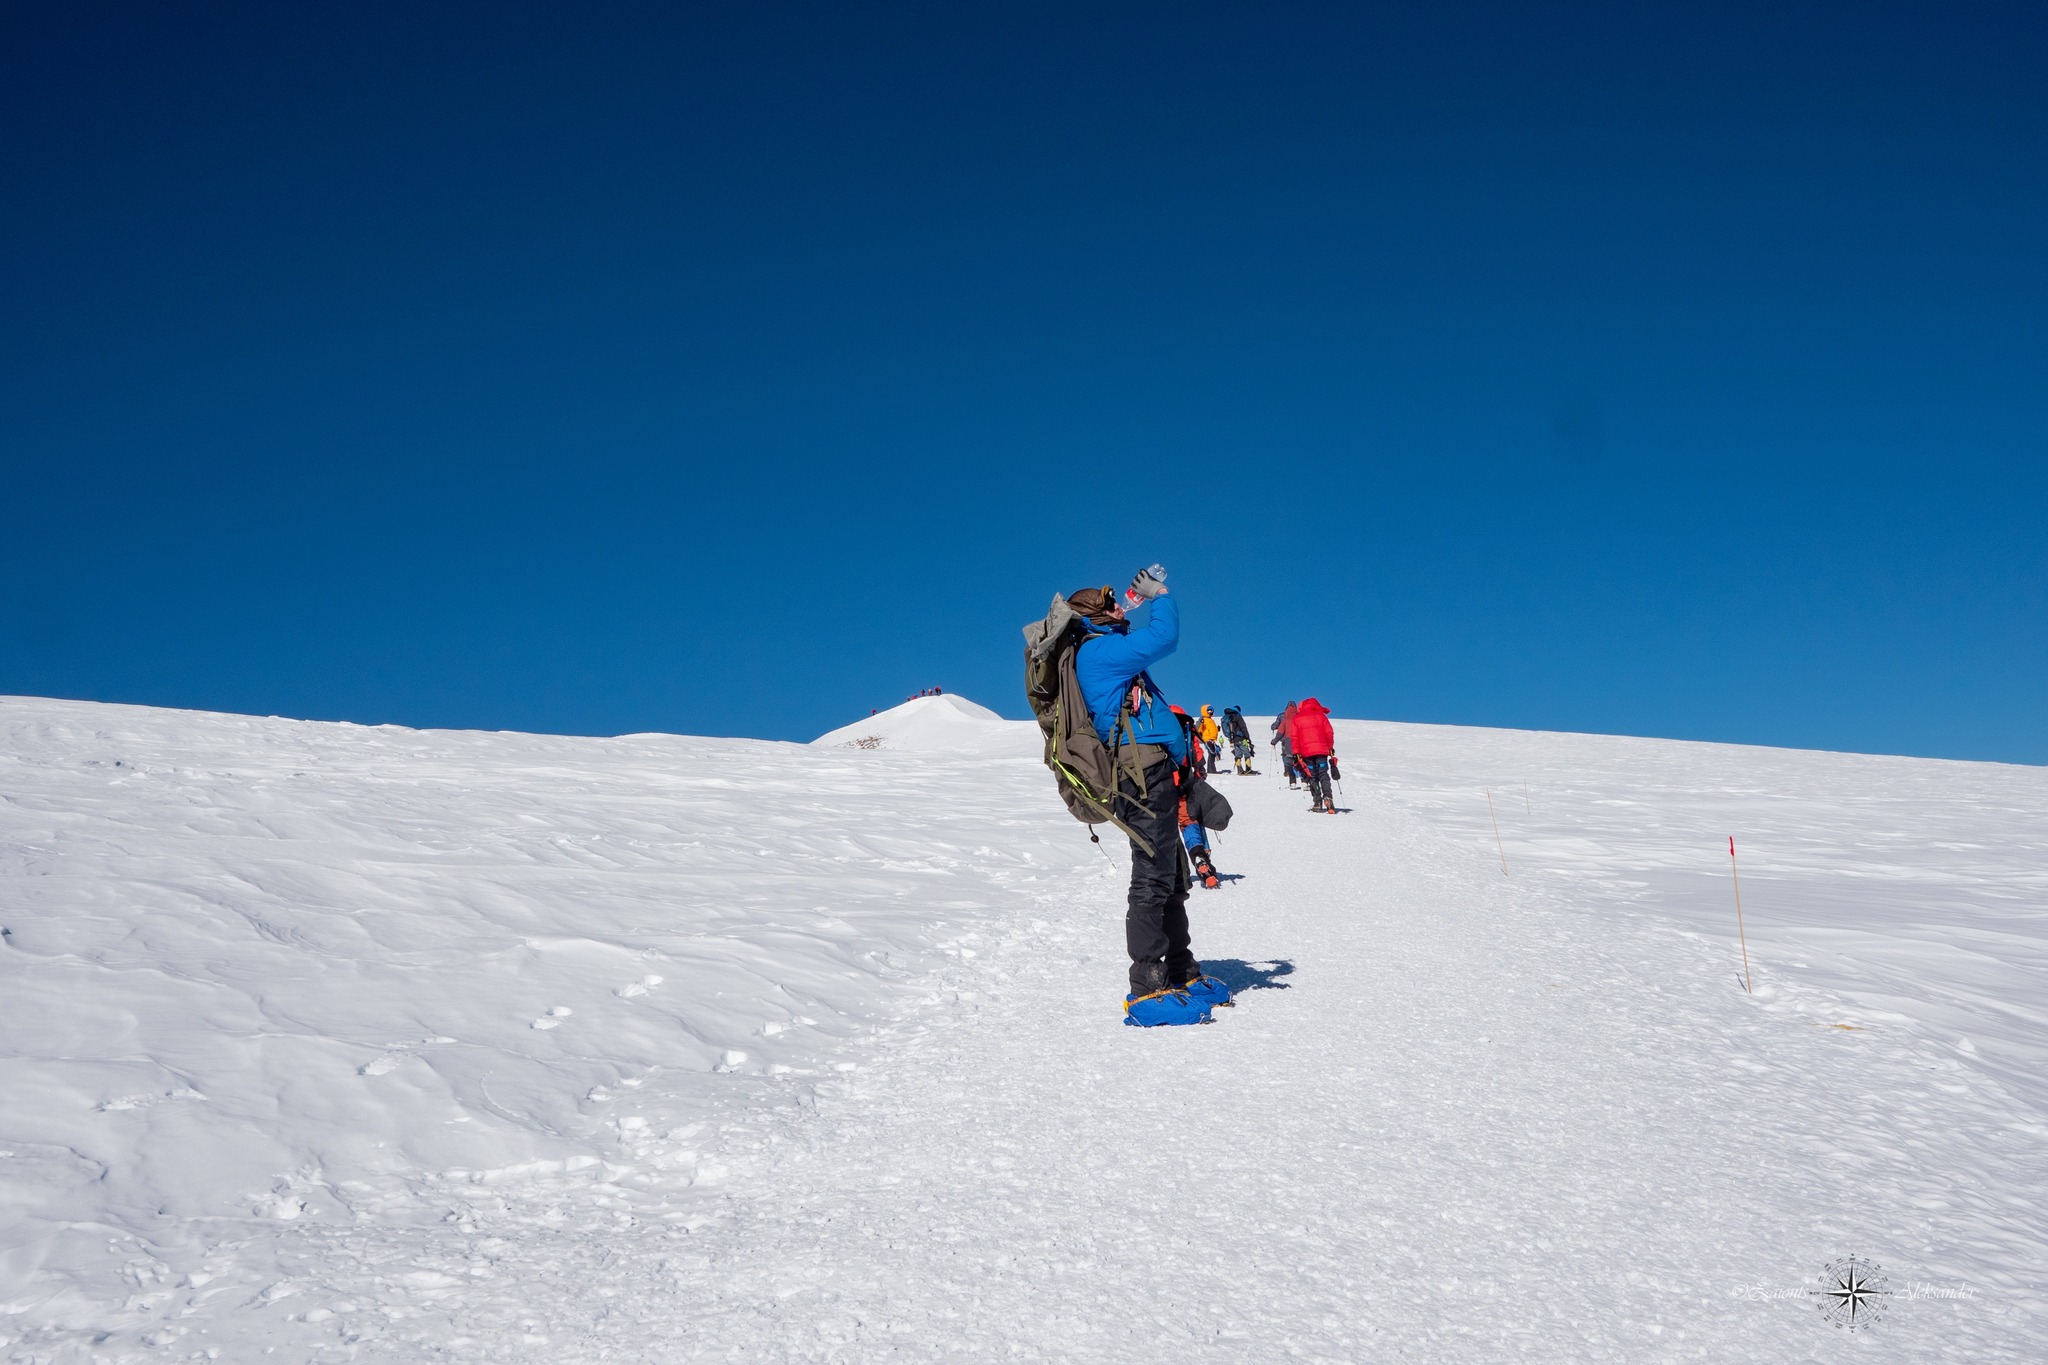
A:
[(1740, 936), (1499, 847)]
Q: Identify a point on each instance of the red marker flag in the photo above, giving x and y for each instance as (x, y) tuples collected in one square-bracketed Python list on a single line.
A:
[(1744, 938)]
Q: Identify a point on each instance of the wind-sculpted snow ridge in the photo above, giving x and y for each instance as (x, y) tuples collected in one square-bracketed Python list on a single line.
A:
[(327, 1043), (262, 972)]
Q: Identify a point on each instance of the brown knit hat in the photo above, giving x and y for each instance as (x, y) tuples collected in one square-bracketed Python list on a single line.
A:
[(1098, 605)]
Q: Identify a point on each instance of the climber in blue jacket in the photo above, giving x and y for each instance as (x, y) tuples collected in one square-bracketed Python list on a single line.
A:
[(1111, 666), (1113, 661)]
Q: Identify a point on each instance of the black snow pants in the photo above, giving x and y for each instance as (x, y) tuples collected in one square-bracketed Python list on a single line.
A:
[(1319, 780), (1156, 925)]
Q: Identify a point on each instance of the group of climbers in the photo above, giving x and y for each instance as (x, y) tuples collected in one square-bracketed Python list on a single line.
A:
[(1308, 751), (1122, 754), (1210, 732)]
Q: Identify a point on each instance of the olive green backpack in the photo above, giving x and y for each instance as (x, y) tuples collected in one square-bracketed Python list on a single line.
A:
[(1084, 770)]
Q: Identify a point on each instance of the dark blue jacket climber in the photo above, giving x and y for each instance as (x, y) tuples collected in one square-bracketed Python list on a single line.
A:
[(1109, 661)]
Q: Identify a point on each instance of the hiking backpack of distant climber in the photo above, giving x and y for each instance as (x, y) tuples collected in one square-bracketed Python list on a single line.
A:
[(1083, 768), (1241, 747)]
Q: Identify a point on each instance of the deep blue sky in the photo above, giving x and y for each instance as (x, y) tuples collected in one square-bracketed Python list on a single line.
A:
[(1673, 369)]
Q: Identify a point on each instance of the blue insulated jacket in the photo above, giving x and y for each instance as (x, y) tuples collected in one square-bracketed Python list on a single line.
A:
[(1108, 663)]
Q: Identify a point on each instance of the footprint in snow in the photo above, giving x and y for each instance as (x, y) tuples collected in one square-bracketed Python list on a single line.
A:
[(121, 1102), (640, 987), (400, 1050), (553, 1018), (284, 1207)]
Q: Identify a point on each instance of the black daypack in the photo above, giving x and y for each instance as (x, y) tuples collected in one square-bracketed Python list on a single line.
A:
[(1083, 768), (1233, 724), (1206, 806)]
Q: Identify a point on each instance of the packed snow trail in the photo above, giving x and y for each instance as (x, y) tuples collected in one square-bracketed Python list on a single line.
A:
[(1455, 1116), (1445, 1122)]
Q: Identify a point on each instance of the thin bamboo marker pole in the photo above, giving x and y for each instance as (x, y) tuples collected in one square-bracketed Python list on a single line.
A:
[(1496, 833), (1744, 938)]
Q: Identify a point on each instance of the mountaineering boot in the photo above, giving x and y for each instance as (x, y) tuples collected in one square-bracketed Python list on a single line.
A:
[(1207, 990), (1153, 1002), (1165, 1007), (1205, 871)]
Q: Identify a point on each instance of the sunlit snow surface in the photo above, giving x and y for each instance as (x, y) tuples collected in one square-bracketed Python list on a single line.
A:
[(321, 1042)]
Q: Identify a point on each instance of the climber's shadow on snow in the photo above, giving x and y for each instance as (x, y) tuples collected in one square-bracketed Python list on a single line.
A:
[(1243, 976)]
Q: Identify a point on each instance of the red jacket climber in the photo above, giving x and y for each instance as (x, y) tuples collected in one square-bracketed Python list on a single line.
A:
[(1310, 731)]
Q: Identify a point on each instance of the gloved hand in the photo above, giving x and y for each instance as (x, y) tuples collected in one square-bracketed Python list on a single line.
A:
[(1150, 583)]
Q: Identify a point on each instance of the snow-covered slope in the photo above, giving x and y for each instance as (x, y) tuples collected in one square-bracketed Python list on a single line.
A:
[(940, 724), (1897, 892), (330, 1043), (265, 971)]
